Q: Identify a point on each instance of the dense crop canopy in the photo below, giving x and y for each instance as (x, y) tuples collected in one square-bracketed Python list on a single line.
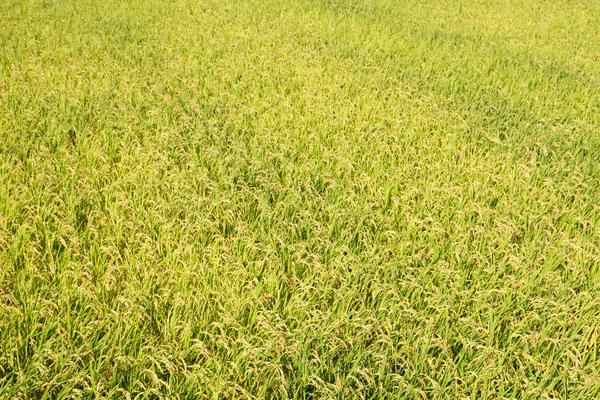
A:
[(299, 199)]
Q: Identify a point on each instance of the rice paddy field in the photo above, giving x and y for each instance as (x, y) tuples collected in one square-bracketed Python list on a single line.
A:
[(299, 199)]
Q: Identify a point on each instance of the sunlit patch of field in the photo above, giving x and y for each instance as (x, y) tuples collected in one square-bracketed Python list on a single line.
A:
[(299, 199)]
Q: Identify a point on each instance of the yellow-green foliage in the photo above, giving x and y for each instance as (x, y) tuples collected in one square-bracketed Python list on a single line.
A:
[(299, 199)]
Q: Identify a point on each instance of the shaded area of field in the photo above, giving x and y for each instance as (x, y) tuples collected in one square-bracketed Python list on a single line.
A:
[(299, 199)]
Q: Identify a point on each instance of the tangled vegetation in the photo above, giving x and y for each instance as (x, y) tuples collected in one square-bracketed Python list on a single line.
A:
[(304, 199)]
